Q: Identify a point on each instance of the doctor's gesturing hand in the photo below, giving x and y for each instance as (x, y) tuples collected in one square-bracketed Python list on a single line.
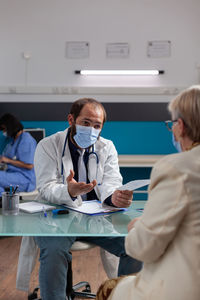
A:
[(122, 198), (78, 188)]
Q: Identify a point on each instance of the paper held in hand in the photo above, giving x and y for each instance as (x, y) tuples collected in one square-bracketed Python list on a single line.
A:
[(134, 185)]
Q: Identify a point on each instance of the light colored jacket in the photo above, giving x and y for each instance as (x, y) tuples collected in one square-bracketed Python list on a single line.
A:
[(52, 187), (167, 237)]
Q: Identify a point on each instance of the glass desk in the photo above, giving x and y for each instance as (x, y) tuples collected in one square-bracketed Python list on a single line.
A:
[(72, 224)]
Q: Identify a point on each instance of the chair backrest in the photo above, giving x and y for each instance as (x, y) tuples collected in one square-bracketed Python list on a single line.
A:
[(37, 133)]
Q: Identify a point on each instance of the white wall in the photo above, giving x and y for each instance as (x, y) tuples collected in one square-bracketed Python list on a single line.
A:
[(42, 27)]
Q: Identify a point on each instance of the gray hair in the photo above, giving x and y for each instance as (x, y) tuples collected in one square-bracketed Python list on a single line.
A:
[(187, 107)]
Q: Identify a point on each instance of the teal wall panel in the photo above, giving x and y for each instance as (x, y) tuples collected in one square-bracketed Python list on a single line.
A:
[(128, 137), (139, 137), (135, 173)]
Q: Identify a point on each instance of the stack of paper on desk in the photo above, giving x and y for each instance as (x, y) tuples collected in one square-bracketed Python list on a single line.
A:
[(33, 207)]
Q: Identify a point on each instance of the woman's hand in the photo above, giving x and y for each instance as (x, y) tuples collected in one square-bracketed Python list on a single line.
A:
[(5, 159), (16, 163), (132, 223)]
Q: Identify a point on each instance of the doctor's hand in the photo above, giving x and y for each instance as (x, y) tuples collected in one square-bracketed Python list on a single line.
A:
[(78, 188), (122, 198)]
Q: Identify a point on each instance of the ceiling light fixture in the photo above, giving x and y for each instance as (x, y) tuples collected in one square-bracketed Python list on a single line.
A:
[(119, 72)]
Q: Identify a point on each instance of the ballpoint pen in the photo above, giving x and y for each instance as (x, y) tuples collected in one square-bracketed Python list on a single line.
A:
[(10, 196), (15, 189), (44, 211), (11, 189)]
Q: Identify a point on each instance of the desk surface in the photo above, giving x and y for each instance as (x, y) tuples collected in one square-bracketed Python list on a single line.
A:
[(72, 224)]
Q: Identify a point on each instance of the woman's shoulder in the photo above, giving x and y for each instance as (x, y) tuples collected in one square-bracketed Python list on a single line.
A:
[(179, 162)]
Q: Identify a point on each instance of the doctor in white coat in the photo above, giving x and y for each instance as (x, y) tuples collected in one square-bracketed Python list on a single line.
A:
[(63, 178)]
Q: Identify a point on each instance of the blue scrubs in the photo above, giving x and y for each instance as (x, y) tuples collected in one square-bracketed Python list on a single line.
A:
[(23, 149)]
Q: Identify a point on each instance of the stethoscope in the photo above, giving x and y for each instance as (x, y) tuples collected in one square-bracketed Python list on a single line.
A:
[(63, 153)]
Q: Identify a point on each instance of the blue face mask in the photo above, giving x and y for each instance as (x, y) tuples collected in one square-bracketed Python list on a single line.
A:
[(176, 144), (86, 136)]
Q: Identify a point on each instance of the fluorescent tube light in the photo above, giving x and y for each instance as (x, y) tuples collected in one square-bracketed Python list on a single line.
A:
[(119, 72)]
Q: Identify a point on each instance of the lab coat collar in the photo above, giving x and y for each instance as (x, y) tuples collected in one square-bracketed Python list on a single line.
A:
[(66, 159), (99, 144)]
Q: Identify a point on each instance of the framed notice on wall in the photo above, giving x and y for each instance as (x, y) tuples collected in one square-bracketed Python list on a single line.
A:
[(156, 49), (117, 50), (77, 49)]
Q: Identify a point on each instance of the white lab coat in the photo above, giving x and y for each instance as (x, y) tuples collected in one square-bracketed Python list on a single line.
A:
[(52, 187), (48, 157)]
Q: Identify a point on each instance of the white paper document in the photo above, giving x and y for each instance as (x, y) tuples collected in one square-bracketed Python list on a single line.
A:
[(134, 185), (94, 207), (33, 207)]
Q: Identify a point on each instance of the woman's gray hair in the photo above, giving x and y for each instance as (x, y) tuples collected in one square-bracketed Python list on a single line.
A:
[(187, 107)]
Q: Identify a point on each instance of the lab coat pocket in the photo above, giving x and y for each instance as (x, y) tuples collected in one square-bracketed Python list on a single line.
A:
[(99, 176), (95, 170)]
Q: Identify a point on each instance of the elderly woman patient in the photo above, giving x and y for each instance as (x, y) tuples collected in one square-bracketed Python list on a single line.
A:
[(167, 236)]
